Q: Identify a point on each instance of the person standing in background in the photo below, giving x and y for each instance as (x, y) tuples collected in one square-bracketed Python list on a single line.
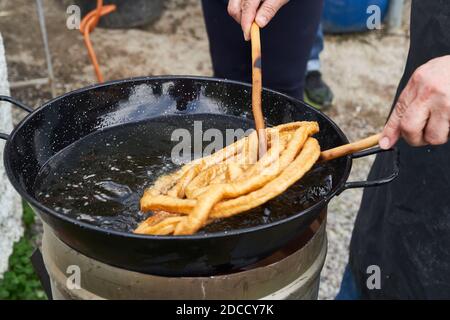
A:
[(317, 92), (287, 36)]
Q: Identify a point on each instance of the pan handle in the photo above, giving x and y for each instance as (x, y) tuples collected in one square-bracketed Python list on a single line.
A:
[(377, 182), (16, 103)]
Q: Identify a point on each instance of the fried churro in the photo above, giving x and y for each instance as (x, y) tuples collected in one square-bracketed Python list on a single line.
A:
[(230, 181)]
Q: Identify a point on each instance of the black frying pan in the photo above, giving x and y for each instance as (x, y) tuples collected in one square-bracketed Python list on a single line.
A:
[(62, 121)]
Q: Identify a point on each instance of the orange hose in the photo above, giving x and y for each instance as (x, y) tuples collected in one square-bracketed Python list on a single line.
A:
[(88, 25)]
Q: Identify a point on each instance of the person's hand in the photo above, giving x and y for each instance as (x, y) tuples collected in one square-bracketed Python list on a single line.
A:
[(245, 12), (422, 113)]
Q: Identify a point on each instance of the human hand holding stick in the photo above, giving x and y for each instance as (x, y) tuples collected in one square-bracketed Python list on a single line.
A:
[(422, 113), (246, 12)]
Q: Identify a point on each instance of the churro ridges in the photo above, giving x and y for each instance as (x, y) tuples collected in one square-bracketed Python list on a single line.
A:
[(229, 181)]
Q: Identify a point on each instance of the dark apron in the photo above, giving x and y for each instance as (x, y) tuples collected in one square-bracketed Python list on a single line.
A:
[(404, 227)]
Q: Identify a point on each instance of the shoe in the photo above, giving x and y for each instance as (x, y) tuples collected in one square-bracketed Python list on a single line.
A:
[(317, 92)]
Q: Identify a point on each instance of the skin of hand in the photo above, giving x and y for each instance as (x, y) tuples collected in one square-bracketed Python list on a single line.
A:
[(422, 113), (245, 12)]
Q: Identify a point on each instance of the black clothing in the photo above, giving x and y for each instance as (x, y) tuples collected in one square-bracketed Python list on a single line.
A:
[(286, 44), (404, 227)]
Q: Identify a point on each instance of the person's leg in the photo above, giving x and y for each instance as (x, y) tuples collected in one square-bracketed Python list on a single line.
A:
[(317, 91), (348, 290), (286, 45), (317, 48), (230, 54)]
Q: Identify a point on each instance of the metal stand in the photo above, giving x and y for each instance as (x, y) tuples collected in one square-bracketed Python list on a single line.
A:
[(292, 273), (39, 267)]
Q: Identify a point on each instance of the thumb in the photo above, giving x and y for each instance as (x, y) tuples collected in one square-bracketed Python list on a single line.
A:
[(391, 131), (267, 11)]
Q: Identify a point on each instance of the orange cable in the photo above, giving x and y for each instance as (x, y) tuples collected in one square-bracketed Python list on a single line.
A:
[(88, 25)]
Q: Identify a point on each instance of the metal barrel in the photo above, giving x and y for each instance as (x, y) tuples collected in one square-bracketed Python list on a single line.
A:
[(288, 274)]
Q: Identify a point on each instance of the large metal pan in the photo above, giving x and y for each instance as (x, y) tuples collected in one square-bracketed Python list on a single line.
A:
[(68, 118)]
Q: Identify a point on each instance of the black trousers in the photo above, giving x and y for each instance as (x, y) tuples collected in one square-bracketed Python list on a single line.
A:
[(286, 44)]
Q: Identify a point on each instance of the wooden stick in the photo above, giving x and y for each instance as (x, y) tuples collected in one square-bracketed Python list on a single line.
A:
[(350, 148), (257, 89)]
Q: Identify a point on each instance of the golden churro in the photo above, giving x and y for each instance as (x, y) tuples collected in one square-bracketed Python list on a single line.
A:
[(229, 181)]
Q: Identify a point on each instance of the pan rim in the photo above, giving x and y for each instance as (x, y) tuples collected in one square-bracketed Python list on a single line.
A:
[(235, 232)]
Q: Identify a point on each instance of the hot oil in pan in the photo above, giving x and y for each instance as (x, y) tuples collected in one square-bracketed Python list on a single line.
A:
[(100, 178)]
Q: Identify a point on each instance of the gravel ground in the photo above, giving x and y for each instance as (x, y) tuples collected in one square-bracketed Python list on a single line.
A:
[(363, 70)]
